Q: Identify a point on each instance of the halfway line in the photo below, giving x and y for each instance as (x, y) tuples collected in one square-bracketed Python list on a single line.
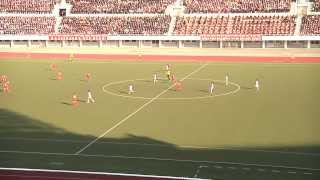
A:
[(136, 111)]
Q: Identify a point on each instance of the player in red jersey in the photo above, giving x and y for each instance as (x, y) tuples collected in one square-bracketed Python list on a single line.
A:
[(53, 66), (4, 78), (173, 78), (168, 67), (59, 76), (6, 87), (74, 100), (87, 76), (178, 86)]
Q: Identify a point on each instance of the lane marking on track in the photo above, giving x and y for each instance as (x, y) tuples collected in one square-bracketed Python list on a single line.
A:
[(165, 159), (176, 63), (136, 111)]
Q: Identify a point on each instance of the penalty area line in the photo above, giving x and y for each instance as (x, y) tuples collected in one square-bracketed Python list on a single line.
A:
[(136, 111)]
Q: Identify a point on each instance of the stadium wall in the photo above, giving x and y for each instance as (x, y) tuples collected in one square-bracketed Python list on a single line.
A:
[(105, 41)]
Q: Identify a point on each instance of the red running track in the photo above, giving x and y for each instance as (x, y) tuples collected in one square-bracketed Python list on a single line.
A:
[(130, 57)]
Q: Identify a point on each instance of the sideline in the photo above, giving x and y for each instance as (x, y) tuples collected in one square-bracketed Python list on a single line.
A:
[(88, 173)]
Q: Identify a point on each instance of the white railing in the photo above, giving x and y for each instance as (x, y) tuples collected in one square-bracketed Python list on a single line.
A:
[(291, 38), (59, 37)]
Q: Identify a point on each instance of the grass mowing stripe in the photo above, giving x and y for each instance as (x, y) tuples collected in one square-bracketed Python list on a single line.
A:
[(169, 159), (136, 111), (160, 145)]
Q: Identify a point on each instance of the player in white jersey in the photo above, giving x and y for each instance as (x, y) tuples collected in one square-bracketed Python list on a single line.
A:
[(155, 78), (131, 89), (90, 98), (167, 67), (257, 85), (227, 80), (211, 87)]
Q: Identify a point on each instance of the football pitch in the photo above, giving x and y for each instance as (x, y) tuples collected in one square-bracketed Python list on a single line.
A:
[(235, 133)]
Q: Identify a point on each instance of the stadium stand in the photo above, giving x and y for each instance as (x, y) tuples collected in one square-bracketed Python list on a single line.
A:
[(262, 25), (18, 25), (27, 6), (310, 25), (197, 21), (236, 6), (146, 25), (119, 6)]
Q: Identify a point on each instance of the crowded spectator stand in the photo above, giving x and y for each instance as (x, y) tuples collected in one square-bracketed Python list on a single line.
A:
[(152, 20)]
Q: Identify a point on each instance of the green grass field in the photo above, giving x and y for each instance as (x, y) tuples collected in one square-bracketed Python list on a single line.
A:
[(237, 133)]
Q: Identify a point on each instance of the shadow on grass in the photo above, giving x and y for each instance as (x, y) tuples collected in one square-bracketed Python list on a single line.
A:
[(70, 104), (66, 103), (204, 91), (144, 155), (84, 80), (173, 89)]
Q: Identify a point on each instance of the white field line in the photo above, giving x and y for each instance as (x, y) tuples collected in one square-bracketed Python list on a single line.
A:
[(104, 89), (164, 159), (197, 172), (136, 111), (161, 145), (93, 173)]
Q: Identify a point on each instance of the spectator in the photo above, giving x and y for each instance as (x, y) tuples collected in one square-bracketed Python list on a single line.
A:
[(235, 25), (236, 6), (151, 25), (119, 6), (311, 25), (27, 6), (316, 6), (18, 25)]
